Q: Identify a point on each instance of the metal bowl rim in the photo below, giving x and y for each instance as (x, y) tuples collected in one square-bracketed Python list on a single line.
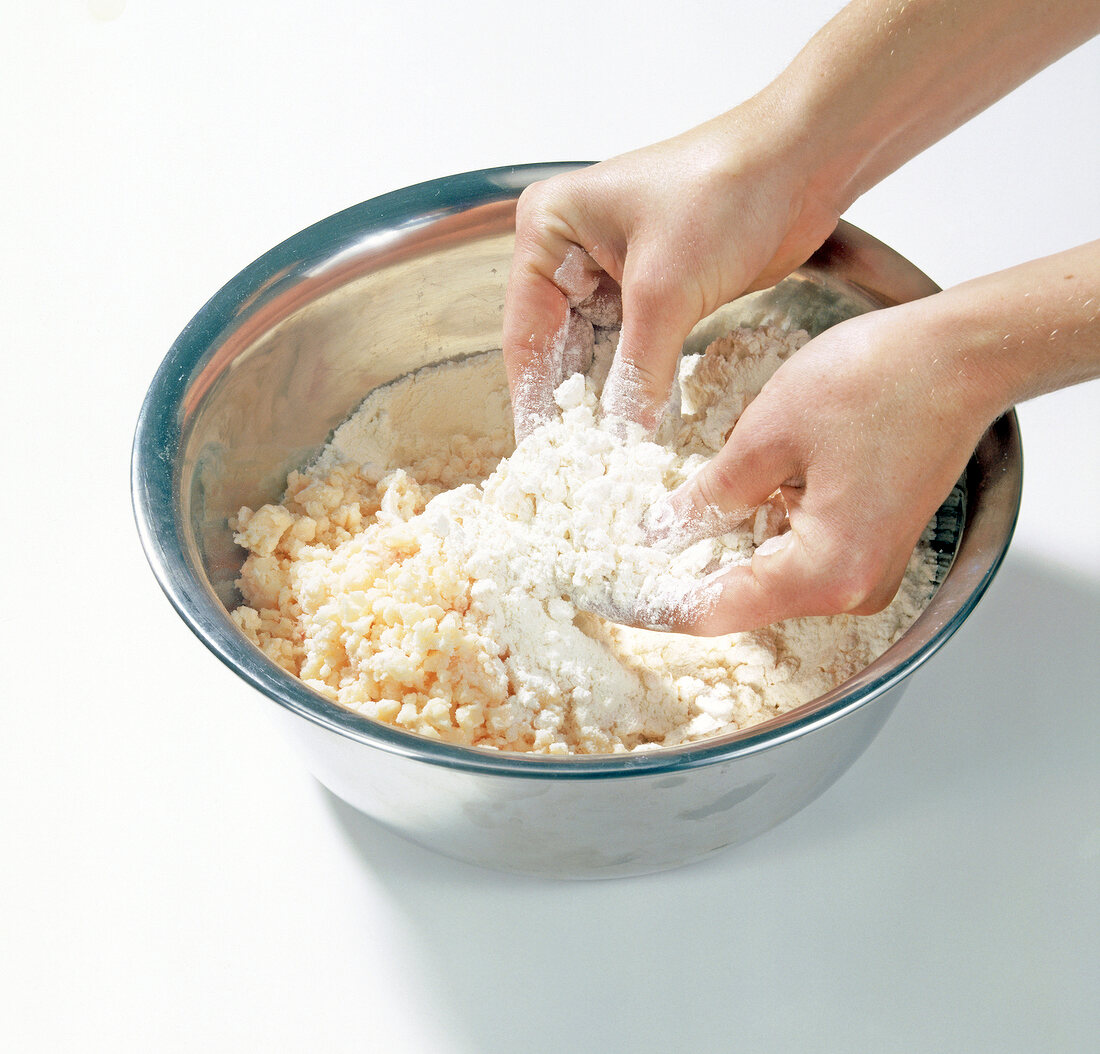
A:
[(153, 475)]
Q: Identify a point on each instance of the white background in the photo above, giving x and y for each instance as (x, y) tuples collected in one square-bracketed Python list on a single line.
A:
[(173, 879)]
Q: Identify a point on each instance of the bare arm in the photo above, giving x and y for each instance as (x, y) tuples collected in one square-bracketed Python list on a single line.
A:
[(884, 80), (742, 200)]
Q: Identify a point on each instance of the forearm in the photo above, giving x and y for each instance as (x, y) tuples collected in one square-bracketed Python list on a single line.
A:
[(887, 78), (997, 340)]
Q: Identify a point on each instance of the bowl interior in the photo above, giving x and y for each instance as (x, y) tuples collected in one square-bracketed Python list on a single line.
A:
[(285, 352)]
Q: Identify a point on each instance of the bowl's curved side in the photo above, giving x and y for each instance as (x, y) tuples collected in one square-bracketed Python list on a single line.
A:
[(610, 828)]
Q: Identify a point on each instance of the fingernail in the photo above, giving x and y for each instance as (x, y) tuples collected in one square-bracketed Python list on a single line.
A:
[(770, 546)]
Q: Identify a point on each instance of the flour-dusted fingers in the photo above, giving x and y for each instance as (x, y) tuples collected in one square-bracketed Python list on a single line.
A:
[(545, 339), (536, 315), (657, 317), (789, 577)]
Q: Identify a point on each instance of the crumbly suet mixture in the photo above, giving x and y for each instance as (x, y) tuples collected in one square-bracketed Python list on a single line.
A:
[(445, 583)]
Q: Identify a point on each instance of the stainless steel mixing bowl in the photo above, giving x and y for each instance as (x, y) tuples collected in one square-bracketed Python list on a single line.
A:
[(286, 350)]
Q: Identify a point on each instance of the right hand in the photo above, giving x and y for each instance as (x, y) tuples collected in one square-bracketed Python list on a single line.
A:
[(675, 230), (864, 431)]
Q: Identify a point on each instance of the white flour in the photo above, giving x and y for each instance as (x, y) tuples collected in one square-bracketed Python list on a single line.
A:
[(461, 609)]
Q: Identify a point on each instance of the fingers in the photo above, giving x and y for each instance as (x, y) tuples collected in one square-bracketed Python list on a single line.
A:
[(555, 293), (728, 489), (807, 570), (556, 282), (548, 335), (725, 492), (536, 326), (656, 321), (830, 558)]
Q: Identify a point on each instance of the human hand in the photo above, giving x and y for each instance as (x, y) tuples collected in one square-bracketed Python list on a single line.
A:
[(864, 432), (848, 428), (674, 230)]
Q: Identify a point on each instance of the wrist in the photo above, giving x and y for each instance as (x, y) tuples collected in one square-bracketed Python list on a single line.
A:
[(821, 163), (952, 341)]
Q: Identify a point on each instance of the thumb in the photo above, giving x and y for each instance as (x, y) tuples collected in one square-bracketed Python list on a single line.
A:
[(728, 489), (781, 581), (808, 570)]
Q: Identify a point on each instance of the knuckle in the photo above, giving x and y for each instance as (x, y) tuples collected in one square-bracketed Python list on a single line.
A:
[(527, 208), (539, 208), (649, 293), (878, 587), (717, 480), (532, 197), (855, 583)]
